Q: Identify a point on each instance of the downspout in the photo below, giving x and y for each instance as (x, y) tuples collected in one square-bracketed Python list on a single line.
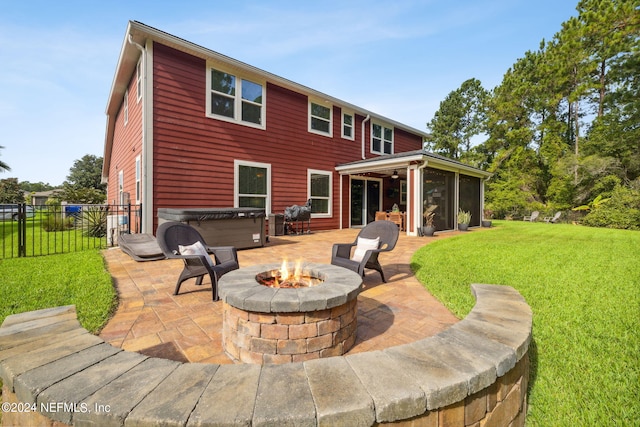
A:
[(366, 119), (341, 207), (146, 226)]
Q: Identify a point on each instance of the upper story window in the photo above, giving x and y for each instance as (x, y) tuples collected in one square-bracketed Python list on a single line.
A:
[(139, 80), (320, 119), (381, 139), (125, 106), (235, 99), (347, 126)]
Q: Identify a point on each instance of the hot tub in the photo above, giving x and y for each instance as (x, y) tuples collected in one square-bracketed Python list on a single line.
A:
[(239, 227)]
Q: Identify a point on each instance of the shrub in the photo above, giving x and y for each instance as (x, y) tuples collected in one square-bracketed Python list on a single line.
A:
[(622, 211), (94, 221), (56, 221)]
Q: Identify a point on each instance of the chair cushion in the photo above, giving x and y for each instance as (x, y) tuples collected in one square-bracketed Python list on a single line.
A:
[(363, 246), (195, 249)]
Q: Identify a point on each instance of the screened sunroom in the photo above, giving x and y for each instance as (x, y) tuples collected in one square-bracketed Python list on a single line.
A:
[(408, 183)]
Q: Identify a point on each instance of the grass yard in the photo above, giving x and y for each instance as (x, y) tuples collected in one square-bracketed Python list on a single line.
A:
[(583, 285), (39, 241), (78, 278)]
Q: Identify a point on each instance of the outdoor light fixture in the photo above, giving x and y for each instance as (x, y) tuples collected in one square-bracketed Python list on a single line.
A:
[(395, 174)]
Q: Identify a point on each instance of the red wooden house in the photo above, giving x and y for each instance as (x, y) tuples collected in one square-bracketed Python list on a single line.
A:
[(189, 127)]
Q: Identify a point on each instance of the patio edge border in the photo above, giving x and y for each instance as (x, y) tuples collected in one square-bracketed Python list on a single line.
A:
[(475, 371)]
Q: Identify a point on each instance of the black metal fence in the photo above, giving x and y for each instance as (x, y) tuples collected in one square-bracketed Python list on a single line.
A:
[(27, 230)]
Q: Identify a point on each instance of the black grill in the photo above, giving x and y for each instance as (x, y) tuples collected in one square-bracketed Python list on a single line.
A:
[(295, 217)]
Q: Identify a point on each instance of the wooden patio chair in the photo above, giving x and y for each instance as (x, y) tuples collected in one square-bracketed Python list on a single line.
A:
[(174, 238), (381, 216), (534, 215), (396, 218), (374, 238), (553, 219)]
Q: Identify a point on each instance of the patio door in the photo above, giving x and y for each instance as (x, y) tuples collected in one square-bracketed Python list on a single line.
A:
[(365, 200)]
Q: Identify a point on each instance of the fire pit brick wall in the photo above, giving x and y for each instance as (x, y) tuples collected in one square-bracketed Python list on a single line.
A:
[(472, 374), (251, 337)]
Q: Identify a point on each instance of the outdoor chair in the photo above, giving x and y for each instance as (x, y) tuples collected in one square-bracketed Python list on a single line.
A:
[(534, 215), (381, 216), (553, 219), (374, 238), (176, 237), (396, 218)]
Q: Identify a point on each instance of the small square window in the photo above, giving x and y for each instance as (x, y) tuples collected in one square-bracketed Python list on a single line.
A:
[(320, 119)]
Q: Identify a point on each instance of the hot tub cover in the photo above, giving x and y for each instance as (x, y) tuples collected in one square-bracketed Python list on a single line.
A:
[(205, 214)]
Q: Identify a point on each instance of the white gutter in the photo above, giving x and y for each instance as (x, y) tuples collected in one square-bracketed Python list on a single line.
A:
[(366, 119)]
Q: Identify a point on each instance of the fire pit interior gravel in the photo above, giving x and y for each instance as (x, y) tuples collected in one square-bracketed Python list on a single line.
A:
[(265, 324)]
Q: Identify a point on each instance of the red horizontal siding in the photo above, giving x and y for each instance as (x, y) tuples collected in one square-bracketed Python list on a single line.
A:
[(194, 154)]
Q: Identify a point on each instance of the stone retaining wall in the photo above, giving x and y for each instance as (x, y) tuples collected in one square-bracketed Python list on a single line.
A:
[(473, 374)]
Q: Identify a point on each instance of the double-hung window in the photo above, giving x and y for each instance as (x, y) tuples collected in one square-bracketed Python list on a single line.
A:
[(138, 180), (139, 80), (319, 184), (253, 185), (235, 99), (125, 106), (320, 119), (121, 196), (381, 139), (347, 126)]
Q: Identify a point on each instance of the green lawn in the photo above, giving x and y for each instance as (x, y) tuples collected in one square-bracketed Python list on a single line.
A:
[(78, 278), (39, 241), (583, 285)]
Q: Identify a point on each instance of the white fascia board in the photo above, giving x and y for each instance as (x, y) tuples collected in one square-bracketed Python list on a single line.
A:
[(374, 165), (457, 167)]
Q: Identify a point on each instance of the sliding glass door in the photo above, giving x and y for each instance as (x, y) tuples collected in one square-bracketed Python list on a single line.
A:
[(365, 200)]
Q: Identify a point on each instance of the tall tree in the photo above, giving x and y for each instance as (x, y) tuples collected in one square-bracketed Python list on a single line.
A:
[(474, 107), (3, 165), (446, 127), (83, 184), (461, 116), (10, 191)]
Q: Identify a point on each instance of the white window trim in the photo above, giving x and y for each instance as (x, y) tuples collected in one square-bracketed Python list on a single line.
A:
[(237, 105), (322, 104), (353, 126), (236, 190), (330, 198), (121, 187), (393, 137), (138, 179), (125, 106), (139, 80)]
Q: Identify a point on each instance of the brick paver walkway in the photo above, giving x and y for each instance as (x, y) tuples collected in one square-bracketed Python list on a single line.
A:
[(188, 326)]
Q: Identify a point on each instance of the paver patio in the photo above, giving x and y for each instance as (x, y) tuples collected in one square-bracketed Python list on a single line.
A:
[(188, 326)]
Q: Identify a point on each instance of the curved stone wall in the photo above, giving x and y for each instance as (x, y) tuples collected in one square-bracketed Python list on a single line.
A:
[(474, 373)]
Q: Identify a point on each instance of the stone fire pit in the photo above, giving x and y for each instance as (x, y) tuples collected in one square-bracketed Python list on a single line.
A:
[(263, 325)]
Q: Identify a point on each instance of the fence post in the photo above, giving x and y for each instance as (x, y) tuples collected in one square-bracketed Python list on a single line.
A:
[(22, 230)]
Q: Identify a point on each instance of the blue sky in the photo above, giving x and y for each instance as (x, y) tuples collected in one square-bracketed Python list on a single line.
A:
[(398, 58)]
